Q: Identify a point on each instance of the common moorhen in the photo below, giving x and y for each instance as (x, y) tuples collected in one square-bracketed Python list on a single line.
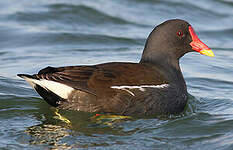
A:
[(154, 86)]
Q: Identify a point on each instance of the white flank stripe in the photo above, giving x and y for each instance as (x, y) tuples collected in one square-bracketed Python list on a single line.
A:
[(128, 91), (61, 90), (140, 87)]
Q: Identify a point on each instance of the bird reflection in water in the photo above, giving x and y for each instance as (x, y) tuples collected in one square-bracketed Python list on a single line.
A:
[(50, 134), (58, 127)]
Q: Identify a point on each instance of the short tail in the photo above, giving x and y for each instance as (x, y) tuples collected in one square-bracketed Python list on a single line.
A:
[(50, 97), (25, 76)]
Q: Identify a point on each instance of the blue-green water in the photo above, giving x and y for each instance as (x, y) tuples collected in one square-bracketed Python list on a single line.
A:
[(35, 34)]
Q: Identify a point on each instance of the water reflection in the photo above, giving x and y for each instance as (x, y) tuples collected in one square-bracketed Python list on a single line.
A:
[(48, 134), (62, 129)]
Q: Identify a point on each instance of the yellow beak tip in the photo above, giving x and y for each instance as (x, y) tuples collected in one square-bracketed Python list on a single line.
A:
[(207, 52)]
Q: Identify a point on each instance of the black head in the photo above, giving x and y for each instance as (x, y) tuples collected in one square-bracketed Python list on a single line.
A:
[(171, 40)]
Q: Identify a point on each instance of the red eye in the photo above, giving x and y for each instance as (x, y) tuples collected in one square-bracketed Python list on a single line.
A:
[(179, 33)]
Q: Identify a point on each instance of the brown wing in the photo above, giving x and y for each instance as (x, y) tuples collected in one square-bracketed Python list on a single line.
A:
[(74, 76), (98, 79)]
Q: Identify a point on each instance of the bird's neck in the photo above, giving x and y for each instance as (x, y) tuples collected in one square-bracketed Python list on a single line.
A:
[(167, 65)]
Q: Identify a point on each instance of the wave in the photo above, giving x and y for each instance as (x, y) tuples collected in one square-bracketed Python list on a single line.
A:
[(67, 13)]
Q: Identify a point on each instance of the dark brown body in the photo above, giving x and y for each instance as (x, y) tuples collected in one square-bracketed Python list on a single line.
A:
[(94, 93)]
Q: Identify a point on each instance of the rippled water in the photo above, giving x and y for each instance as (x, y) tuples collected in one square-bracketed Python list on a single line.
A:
[(35, 34)]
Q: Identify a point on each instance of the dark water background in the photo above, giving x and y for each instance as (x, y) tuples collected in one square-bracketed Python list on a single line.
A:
[(35, 34)]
